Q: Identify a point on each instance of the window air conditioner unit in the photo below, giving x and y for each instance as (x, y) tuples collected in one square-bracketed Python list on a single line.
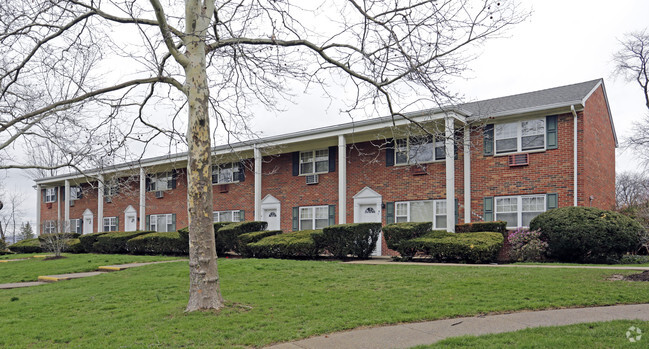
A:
[(518, 160), (159, 194), (109, 199), (224, 188), (312, 179), (418, 170)]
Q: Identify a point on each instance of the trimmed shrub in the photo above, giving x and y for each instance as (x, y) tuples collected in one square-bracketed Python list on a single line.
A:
[(27, 246), (74, 246), (87, 240), (227, 237), (526, 245), (477, 247), (115, 242), (167, 243), (42, 237), (587, 234), (184, 233), (634, 259), (496, 226), (356, 239), (248, 238), (396, 233), (288, 245)]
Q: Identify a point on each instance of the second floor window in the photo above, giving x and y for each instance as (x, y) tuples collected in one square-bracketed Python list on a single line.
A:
[(50, 194), (227, 173), (520, 136), (416, 150), (75, 193), (161, 181), (314, 161)]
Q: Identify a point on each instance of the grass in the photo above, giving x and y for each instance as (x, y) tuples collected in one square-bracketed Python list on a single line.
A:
[(31, 269), (272, 301), (591, 335)]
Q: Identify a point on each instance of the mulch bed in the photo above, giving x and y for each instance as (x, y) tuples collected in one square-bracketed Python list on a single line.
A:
[(644, 276)]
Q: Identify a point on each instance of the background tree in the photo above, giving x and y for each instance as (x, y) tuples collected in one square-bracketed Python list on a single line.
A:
[(632, 196), (631, 61), (10, 213), (66, 62), (26, 231)]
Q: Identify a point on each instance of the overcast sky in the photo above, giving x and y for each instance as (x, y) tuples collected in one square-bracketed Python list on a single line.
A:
[(563, 42)]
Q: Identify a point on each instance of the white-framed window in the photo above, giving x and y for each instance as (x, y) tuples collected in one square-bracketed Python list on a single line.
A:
[(518, 211), (50, 194), (110, 223), (314, 217), (49, 227), (75, 193), (417, 150), (227, 216), (76, 226), (421, 211), (111, 188), (162, 222), (314, 161), (520, 136), (161, 181), (226, 173)]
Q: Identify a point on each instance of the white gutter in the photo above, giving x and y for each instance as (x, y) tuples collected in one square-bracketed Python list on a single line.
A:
[(574, 122)]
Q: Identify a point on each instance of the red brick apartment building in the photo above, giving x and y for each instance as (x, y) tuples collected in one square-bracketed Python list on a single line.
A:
[(507, 158)]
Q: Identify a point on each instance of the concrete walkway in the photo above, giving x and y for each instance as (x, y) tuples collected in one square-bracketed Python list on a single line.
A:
[(421, 333), (62, 277)]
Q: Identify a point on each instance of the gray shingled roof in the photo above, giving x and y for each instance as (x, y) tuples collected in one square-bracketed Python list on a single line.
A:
[(543, 99)]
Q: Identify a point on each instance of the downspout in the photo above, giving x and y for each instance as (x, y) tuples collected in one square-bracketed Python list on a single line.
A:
[(574, 123)]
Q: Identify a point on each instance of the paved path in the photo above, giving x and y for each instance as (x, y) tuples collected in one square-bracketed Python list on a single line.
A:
[(420, 333), (43, 279)]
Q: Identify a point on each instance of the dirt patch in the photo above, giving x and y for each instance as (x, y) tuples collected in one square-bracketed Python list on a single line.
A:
[(644, 276), (51, 258)]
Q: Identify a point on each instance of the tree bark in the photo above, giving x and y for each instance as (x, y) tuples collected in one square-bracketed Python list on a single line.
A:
[(204, 288)]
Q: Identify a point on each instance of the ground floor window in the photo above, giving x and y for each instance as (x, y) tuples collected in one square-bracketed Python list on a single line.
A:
[(422, 211), (227, 216), (110, 223), (161, 222), (49, 227), (518, 211), (314, 217), (76, 226)]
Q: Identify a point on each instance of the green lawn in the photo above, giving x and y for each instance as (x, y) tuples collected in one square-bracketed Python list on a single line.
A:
[(31, 269), (592, 335), (281, 300)]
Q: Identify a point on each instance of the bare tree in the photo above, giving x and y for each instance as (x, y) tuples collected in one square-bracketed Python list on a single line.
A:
[(9, 214), (64, 63), (54, 239)]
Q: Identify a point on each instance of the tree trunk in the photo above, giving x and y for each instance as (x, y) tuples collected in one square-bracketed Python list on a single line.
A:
[(204, 289)]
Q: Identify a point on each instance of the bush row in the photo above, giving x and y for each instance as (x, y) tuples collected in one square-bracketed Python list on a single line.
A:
[(475, 247)]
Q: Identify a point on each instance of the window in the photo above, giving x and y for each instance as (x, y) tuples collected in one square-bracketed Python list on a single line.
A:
[(110, 223), (226, 173), (50, 194), (518, 211), (422, 211), (415, 150), (161, 181), (49, 227), (314, 217), (111, 188), (75, 193), (227, 216), (315, 161), (76, 226), (162, 222), (520, 136)]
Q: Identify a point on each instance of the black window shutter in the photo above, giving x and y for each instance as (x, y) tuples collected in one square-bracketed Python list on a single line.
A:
[(173, 222), (296, 163), (43, 193), (174, 179), (148, 222), (147, 181), (296, 218), (241, 174), (333, 152), (389, 213), (488, 204), (551, 132), (242, 215), (62, 193), (215, 176), (552, 201), (489, 139), (79, 193), (389, 153), (332, 214)]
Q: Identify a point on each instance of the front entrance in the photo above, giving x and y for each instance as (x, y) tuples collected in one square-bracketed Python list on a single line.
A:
[(271, 212), (367, 209), (130, 219), (87, 222)]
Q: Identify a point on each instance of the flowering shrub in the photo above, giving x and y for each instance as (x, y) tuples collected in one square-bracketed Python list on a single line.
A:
[(526, 245)]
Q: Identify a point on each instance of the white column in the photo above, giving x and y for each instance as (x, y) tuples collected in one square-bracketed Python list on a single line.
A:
[(66, 223), (100, 204), (39, 200), (450, 174), (342, 180), (467, 174), (142, 199), (258, 172)]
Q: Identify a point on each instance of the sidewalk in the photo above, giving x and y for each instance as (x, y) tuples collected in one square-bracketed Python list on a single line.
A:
[(44, 279), (420, 333)]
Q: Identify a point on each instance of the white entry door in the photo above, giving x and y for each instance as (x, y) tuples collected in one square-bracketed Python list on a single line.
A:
[(370, 213), (130, 224), (87, 222), (271, 216)]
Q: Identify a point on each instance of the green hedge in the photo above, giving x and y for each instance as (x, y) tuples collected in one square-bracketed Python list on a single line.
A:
[(227, 237), (115, 242), (249, 238), (74, 246), (396, 233), (356, 239), (476, 247), (27, 246), (497, 226), (87, 240), (42, 237), (288, 245), (167, 243), (587, 234)]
